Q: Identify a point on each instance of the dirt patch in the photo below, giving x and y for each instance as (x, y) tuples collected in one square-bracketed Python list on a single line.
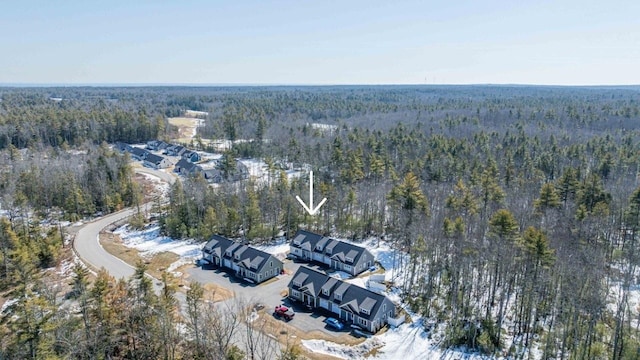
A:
[(156, 265)]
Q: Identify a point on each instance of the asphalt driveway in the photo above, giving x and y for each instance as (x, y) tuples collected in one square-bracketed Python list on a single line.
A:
[(269, 294)]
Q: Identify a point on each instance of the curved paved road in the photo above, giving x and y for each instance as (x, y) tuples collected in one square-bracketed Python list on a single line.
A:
[(91, 252), (86, 241)]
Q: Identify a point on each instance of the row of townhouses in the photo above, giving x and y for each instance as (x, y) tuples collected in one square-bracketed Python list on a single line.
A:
[(174, 150), (336, 254), (350, 303), (245, 261), (212, 175), (148, 158)]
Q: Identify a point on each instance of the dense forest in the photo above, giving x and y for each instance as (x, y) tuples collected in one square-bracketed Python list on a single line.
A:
[(514, 210)]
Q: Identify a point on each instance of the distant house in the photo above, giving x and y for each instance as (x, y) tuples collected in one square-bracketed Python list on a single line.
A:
[(245, 261), (350, 303), (186, 168), (213, 176), (123, 146), (175, 150), (191, 155), (156, 161), (156, 145), (338, 255), (138, 153)]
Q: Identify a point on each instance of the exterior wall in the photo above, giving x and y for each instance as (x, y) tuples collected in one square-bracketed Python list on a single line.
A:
[(164, 164)]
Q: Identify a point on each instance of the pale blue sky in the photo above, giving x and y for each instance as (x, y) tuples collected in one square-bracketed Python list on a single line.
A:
[(568, 42)]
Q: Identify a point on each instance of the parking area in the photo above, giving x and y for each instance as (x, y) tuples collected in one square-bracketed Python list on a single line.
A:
[(269, 293)]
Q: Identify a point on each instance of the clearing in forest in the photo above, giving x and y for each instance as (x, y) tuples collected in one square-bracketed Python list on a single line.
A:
[(186, 128)]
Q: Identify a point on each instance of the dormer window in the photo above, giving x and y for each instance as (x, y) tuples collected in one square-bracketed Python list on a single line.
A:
[(325, 291), (338, 296), (227, 253), (237, 256), (364, 311), (297, 283), (349, 259)]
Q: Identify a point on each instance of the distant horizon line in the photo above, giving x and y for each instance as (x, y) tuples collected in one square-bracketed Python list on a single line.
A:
[(28, 84)]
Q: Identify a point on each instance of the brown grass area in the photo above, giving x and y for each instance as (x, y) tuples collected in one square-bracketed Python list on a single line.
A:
[(183, 121), (185, 127), (287, 334), (155, 265), (216, 293)]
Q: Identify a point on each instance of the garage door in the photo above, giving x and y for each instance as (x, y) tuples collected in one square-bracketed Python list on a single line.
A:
[(324, 304)]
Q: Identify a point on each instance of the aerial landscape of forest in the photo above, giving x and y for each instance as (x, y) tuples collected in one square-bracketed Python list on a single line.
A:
[(352, 180), (513, 210)]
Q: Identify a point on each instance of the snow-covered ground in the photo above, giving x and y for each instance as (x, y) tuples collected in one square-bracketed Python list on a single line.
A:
[(259, 171), (278, 248)]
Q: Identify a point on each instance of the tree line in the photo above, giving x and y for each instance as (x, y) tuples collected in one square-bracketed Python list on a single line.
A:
[(512, 210)]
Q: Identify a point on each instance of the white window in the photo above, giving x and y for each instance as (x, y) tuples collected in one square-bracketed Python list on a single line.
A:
[(363, 321), (325, 291), (297, 283), (349, 259), (347, 267), (237, 256), (228, 252), (365, 311), (271, 264), (384, 307), (295, 293), (338, 296)]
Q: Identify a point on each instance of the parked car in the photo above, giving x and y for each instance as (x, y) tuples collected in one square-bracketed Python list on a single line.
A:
[(334, 323), (284, 312)]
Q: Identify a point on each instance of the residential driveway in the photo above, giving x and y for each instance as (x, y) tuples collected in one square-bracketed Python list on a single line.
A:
[(269, 294)]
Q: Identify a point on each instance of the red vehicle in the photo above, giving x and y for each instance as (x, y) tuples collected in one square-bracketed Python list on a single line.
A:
[(284, 312)]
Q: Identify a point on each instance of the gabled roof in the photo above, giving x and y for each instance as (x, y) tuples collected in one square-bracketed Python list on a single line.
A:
[(249, 257), (329, 284), (321, 243), (217, 244), (154, 159), (300, 278), (368, 304), (231, 248), (188, 166), (139, 152), (340, 290), (332, 247), (353, 297)]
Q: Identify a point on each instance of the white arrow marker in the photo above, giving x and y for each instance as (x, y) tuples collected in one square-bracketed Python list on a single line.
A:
[(310, 209)]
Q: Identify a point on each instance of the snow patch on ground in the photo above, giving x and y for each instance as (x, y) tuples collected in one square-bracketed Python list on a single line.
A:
[(342, 351), (6, 305), (149, 242), (161, 187), (278, 248)]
